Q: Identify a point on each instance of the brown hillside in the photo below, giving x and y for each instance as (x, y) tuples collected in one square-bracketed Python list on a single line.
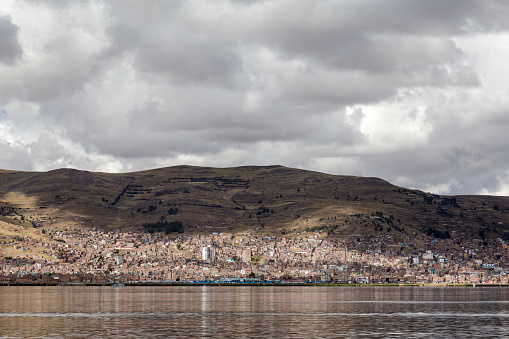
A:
[(274, 199)]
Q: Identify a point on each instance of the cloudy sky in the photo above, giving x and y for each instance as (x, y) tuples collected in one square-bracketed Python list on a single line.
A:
[(414, 92)]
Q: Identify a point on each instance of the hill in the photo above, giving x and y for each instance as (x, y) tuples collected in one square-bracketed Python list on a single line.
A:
[(272, 199)]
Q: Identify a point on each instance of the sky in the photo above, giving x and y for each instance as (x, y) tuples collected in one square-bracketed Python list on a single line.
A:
[(414, 92)]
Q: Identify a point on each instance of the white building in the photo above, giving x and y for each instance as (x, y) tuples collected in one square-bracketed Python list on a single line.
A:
[(208, 254)]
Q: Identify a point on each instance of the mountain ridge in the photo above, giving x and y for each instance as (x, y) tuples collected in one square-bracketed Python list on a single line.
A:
[(270, 199)]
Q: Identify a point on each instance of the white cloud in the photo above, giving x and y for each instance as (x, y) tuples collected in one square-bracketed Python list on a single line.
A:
[(443, 188), (501, 187)]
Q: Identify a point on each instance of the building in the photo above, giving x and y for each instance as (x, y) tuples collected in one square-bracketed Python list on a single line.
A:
[(208, 254)]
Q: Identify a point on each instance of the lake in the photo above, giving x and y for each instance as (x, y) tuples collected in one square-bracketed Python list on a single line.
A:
[(253, 311)]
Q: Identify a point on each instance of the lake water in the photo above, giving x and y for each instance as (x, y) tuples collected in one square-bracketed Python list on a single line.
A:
[(252, 312)]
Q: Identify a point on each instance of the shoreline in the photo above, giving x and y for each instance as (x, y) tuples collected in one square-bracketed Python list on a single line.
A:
[(140, 284)]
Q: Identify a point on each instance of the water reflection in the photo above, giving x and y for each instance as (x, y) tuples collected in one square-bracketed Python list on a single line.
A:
[(240, 311), (204, 309)]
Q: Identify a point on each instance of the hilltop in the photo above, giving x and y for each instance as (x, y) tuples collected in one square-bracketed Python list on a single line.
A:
[(270, 199)]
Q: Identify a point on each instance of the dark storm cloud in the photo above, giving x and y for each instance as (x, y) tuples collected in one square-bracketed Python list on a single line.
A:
[(171, 48), (10, 49), (459, 173), (395, 89), (354, 33)]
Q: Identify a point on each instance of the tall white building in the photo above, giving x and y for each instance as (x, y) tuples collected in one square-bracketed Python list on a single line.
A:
[(208, 254), (205, 253)]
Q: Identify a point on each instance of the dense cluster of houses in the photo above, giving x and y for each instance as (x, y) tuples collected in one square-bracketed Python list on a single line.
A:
[(93, 255)]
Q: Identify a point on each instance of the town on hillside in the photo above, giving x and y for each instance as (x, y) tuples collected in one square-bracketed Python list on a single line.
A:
[(91, 255)]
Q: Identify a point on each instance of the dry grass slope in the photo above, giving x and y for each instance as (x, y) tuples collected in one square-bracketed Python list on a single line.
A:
[(272, 199)]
